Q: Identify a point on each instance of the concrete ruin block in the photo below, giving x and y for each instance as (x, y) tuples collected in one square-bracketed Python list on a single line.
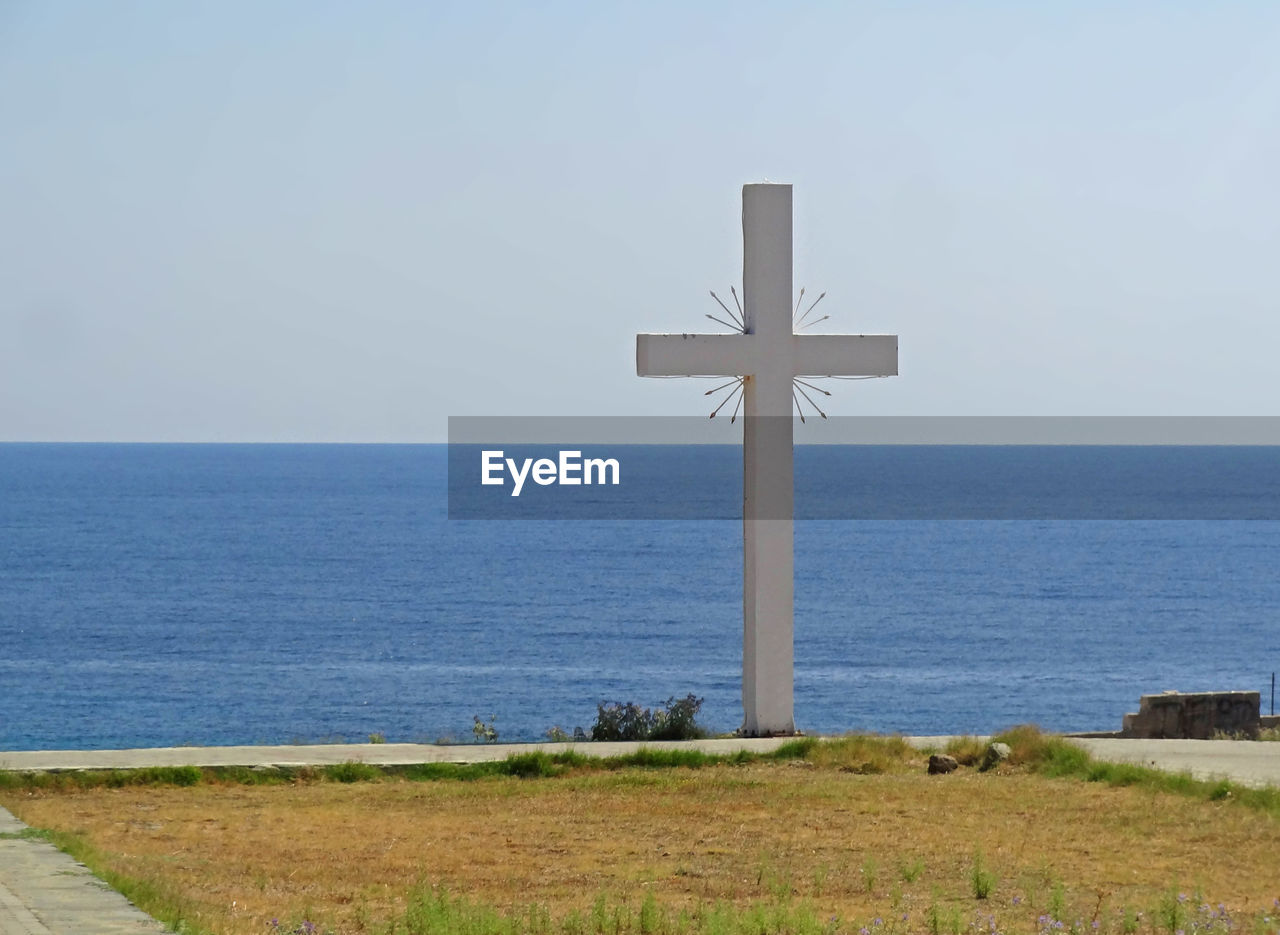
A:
[(1194, 715)]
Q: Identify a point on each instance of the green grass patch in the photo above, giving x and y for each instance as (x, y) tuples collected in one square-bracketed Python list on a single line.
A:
[(797, 749), (433, 911), (1033, 751), (63, 780), (652, 758), (967, 750), (535, 764), (352, 771), (25, 834), (865, 754), (1058, 758)]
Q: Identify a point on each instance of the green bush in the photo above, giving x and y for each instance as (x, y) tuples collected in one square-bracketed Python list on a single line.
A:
[(352, 771), (676, 720), (531, 765)]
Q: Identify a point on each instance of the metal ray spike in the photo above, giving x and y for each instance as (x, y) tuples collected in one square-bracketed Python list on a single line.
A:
[(728, 397), (742, 392), (723, 322), (799, 411), (741, 325), (816, 389), (812, 307), (723, 385), (817, 409)]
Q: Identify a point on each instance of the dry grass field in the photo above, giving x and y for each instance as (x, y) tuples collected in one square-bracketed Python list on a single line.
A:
[(848, 839)]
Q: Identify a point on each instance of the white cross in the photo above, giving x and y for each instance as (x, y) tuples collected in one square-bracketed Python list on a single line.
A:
[(768, 356)]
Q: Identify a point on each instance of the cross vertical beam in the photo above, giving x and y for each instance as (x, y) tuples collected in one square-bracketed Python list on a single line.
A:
[(768, 588)]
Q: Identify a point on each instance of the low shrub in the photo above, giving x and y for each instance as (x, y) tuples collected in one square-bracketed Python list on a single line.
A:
[(352, 771), (675, 720), (968, 751), (864, 754), (531, 765)]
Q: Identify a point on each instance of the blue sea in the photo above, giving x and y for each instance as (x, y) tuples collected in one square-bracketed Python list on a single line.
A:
[(219, 594)]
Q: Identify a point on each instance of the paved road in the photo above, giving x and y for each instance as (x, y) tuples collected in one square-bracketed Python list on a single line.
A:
[(45, 892), (1249, 762)]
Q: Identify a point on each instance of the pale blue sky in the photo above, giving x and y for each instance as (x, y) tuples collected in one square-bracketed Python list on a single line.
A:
[(345, 222)]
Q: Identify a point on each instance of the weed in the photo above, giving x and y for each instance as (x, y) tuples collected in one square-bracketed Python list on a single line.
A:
[(485, 733), (942, 921), (797, 749), (869, 869), (1057, 907), (532, 765), (1130, 919), (26, 834), (649, 914), (981, 880), (377, 737), (864, 754), (305, 927), (351, 771), (820, 874), (1220, 791), (967, 750), (912, 870), (1171, 911)]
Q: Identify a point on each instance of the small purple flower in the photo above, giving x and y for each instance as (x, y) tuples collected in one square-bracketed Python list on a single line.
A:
[(864, 931), (1095, 925), (877, 921), (1017, 900)]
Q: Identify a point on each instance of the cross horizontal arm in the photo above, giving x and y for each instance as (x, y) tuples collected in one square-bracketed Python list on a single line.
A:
[(684, 355), (845, 355), (811, 355)]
